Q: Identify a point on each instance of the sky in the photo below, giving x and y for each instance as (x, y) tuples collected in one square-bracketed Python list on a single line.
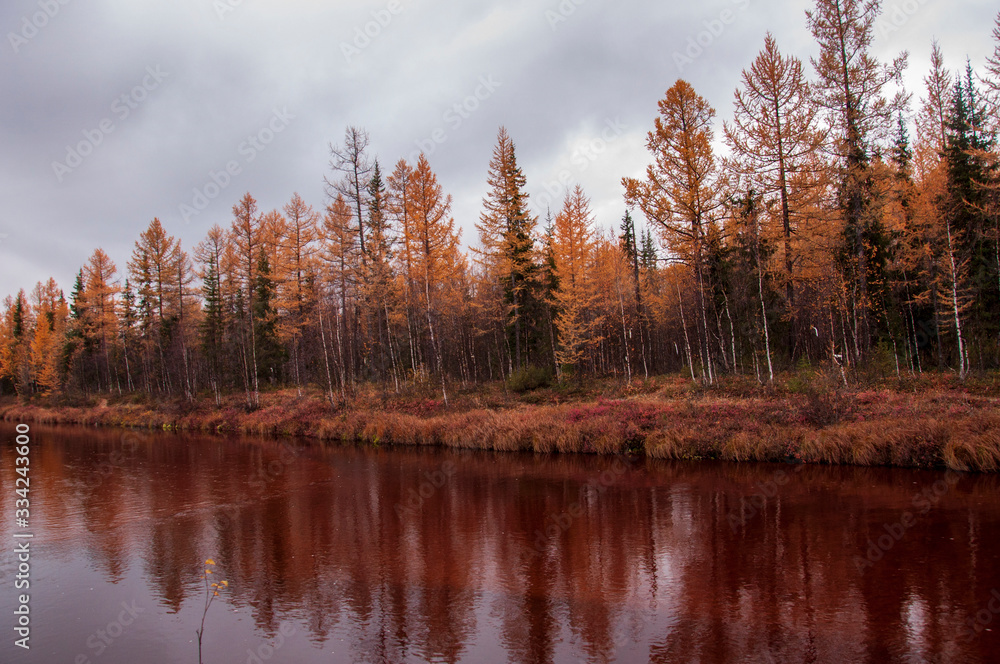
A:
[(114, 112)]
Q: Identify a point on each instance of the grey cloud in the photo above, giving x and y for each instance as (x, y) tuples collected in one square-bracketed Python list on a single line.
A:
[(559, 83)]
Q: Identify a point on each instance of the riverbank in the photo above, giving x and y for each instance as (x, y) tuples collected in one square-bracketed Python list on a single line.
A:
[(935, 422)]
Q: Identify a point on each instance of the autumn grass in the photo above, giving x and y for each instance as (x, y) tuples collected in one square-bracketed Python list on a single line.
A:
[(932, 423)]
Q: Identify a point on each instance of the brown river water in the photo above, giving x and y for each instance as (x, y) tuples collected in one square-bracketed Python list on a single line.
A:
[(344, 554)]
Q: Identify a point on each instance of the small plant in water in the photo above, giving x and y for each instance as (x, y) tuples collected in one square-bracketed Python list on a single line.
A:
[(211, 592)]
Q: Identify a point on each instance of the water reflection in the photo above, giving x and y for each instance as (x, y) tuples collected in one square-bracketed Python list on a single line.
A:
[(394, 555)]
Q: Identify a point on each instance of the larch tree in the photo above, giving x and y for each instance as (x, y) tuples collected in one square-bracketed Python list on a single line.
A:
[(159, 269), (297, 297), (352, 170), (209, 254), (101, 321), (338, 239), (274, 236), (576, 294), (248, 236), (612, 308), (399, 211), (800, 248), (932, 117), (51, 314), (274, 241), (774, 132), (438, 261), (15, 343), (6, 347), (680, 191), (992, 78)]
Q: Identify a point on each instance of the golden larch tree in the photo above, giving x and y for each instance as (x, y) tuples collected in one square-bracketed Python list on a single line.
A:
[(248, 235), (342, 258), (51, 315), (101, 320), (161, 273), (575, 295), (296, 296), (399, 210), (15, 343), (680, 193), (774, 133), (437, 257)]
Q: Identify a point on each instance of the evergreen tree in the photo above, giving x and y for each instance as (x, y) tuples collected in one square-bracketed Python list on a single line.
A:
[(851, 86), (76, 302), (971, 175), (380, 293), (270, 353), (508, 253), (647, 254)]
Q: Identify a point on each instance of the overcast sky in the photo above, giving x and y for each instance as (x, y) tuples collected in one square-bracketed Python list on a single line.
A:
[(113, 112)]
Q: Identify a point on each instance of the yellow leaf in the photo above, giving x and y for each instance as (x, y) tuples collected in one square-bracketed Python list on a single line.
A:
[(209, 562), (225, 583)]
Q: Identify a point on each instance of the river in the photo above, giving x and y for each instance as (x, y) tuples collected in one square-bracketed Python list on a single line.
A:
[(345, 554)]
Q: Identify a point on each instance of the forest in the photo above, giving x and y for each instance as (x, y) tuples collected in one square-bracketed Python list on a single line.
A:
[(847, 225)]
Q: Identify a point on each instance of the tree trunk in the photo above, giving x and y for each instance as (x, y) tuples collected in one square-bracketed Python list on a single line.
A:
[(962, 359), (326, 357), (687, 339)]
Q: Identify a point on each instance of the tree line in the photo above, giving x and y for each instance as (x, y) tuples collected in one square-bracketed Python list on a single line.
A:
[(823, 235)]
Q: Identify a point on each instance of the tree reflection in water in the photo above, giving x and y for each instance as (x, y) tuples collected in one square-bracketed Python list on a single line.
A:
[(647, 568)]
